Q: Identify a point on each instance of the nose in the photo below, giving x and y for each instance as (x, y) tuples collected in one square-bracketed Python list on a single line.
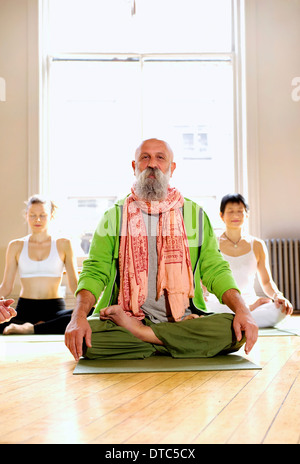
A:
[(152, 163)]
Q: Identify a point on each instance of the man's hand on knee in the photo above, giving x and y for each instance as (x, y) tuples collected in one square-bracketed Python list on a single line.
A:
[(78, 330), (244, 322)]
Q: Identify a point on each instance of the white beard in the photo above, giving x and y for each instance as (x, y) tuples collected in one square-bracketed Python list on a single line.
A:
[(149, 189)]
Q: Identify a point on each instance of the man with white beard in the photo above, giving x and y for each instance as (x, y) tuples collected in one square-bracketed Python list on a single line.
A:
[(147, 259)]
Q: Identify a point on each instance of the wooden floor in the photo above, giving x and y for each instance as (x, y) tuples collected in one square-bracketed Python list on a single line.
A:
[(43, 402)]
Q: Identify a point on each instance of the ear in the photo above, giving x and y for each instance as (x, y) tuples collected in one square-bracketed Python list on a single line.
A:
[(133, 166), (221, 216), (173, 167)]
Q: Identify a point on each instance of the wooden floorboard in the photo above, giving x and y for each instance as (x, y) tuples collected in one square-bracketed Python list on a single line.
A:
[(42, 402)]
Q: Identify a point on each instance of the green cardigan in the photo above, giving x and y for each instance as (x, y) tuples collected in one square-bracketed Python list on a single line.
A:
[(100, 272)]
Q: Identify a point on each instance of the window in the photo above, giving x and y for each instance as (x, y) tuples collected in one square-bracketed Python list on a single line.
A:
[(120, 71)]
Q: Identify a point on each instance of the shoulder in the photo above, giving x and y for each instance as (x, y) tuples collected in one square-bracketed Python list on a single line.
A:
[(63, 243), (114, 211), (190, 208), (258, 243), (110, 221), (259, 247), (194, 218), (120, 202), (14, 248), (64, 248), (188, 202), (16, 244)]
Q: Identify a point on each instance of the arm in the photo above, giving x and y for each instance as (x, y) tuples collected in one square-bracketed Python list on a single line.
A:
[(243, 321), (265, 277), (11, 266), (70, 265), (217, 277), (93, 279), (78, 328)]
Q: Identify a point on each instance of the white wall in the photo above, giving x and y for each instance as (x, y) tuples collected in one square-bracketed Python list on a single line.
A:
[(273, 60), (13, 121), (274, 53)]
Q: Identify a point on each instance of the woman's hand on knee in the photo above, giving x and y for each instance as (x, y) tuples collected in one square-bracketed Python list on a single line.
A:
[(286, 305)]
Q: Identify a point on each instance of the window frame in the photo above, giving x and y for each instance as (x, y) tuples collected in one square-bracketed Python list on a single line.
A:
[(245, 124)]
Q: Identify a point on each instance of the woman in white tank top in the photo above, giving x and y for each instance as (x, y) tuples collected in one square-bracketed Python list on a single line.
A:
[(247, 257), (40, 260)]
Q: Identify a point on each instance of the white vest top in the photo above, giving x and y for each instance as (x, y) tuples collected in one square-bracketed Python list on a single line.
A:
[(52, 266), (244, 269)]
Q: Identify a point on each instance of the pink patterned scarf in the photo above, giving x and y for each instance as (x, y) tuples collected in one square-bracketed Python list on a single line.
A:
[(174, 265)]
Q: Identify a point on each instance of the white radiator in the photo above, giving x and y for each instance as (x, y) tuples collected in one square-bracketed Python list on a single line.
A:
[(284, 257)]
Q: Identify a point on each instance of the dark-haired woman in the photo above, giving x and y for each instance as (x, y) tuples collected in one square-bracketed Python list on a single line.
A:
[(248, 257), (40, 260)]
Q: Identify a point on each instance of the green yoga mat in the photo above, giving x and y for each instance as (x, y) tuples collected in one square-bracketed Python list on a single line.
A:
[(14, 338), (163, 364), (276, 332)]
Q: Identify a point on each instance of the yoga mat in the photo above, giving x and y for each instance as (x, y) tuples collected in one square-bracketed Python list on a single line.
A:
[(292, 331), (163, 364), (274, 332), (32, 338)]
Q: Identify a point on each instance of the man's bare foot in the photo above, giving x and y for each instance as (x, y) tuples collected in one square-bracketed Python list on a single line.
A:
[(191, 316), (116, 314), (23, 329)]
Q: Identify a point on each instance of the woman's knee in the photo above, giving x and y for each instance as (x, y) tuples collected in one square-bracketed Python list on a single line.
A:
[(267, 315)]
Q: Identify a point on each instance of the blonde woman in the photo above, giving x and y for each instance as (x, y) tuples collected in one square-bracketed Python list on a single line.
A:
[(248, 257), (40, 260)]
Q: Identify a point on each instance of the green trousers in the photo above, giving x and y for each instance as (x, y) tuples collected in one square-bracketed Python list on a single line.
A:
[(193, 338)]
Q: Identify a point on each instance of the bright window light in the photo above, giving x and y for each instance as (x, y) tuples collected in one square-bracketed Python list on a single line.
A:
[(120, 71)]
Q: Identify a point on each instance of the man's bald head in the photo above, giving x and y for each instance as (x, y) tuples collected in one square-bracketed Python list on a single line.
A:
[(154, 143)]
